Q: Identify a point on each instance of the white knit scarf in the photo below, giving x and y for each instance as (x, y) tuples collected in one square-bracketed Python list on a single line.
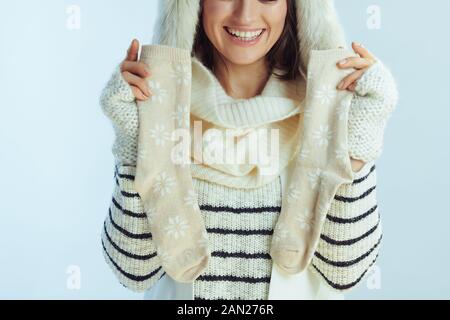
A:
[(267, 123)]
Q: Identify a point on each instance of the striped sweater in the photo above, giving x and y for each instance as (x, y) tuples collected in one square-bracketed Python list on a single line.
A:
[(240, 225), (240, 222)]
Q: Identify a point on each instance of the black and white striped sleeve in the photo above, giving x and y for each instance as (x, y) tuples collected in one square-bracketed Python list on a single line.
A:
[(352, 232), (126, 239)]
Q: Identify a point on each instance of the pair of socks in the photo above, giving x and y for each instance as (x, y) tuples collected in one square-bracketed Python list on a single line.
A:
[(166, 187)]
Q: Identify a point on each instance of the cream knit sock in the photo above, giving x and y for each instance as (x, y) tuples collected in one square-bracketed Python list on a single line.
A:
[(323, 163), (165, 187)]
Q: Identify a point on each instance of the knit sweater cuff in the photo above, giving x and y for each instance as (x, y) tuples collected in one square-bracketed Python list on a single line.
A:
[(118, 104), (374, 101)]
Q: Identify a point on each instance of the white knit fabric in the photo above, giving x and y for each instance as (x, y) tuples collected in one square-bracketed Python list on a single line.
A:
[(119, 105), (375, 99)]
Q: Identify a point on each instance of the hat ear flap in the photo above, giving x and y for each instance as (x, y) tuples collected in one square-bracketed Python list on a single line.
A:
[(176, 23)]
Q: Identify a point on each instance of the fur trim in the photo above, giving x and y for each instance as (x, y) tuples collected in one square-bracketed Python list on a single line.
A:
[(176, 23), (318, 26)]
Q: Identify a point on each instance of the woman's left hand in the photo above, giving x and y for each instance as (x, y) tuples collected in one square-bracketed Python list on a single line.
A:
[(362, 63)]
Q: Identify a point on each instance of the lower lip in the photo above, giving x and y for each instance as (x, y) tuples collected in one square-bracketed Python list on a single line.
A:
[(243, 43)]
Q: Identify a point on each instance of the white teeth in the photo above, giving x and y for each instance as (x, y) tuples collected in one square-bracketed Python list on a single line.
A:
[(245, 35)]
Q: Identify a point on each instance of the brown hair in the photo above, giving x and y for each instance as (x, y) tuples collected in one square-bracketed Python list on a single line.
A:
[(284, 55)]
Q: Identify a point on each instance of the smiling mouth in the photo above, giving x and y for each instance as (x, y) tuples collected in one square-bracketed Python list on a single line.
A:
[(249, 38)]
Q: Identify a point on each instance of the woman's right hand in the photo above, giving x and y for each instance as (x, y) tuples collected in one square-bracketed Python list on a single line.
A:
[(135, 72)]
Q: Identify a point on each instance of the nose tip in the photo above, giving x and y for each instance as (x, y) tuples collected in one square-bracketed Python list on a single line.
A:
[(246, 13)]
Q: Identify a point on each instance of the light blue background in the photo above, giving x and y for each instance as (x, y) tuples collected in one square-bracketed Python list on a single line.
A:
[(57, 166)]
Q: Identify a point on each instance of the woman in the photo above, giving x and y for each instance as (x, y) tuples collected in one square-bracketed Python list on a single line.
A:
[(240, 217)]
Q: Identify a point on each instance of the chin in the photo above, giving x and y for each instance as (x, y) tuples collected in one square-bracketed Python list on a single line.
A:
[(239, 58)]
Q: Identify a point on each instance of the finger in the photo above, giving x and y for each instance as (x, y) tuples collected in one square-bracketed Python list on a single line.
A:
[(352, 86), (363, 52), (138, 93), (133, 50), (138, 68), (139, 82), (354, 62), (350, 79)]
